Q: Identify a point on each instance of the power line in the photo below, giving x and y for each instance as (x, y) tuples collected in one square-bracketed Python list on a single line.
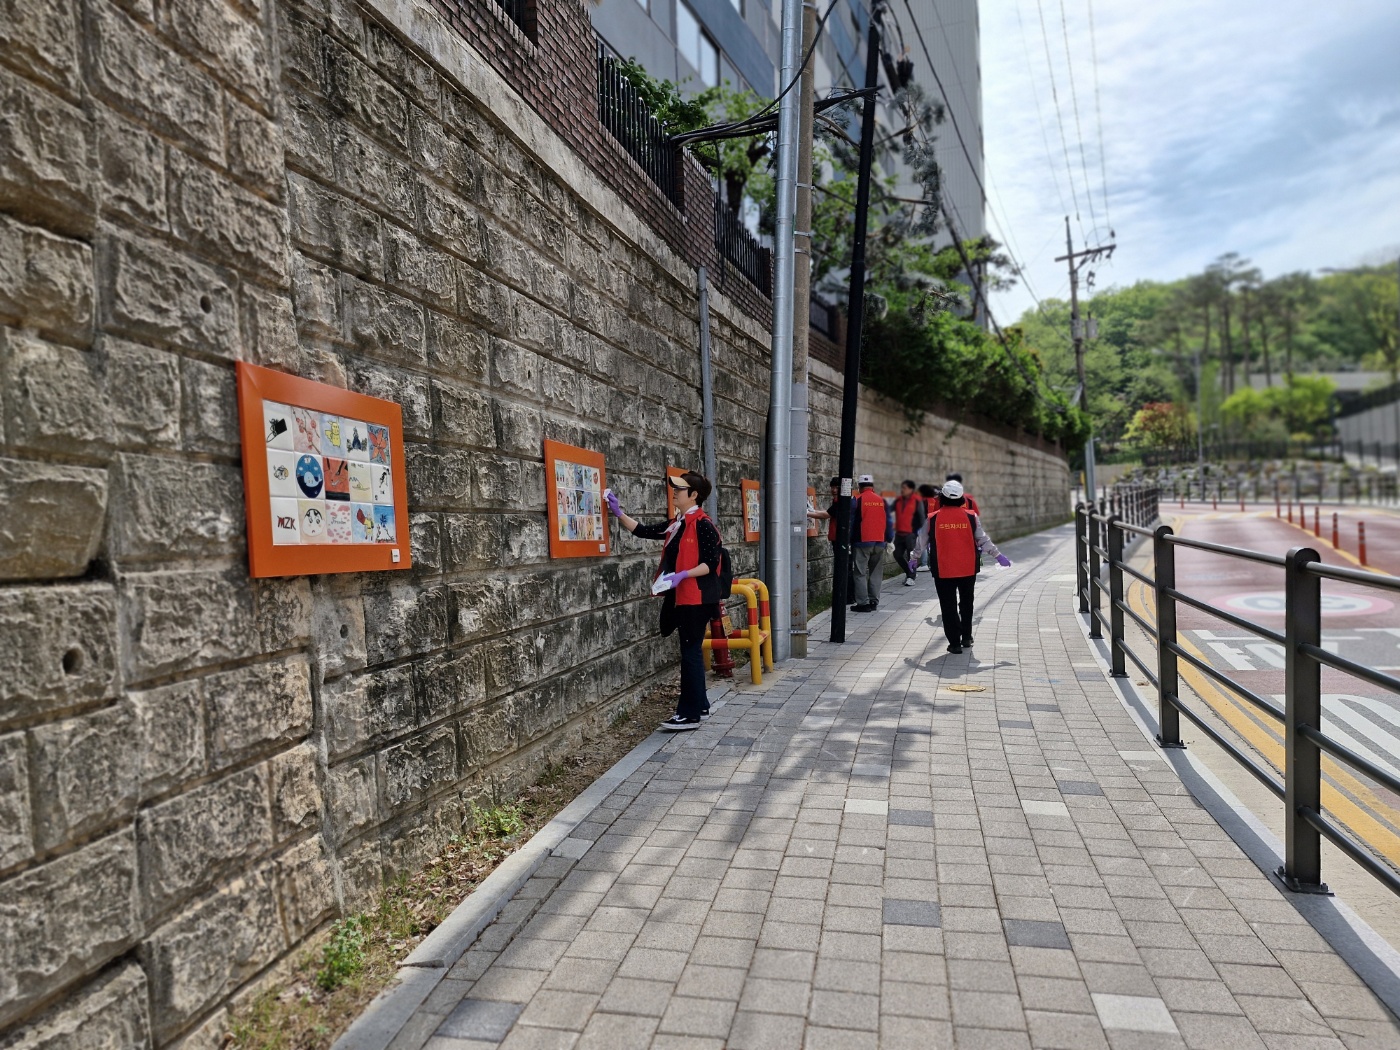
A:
[(1059, 113), (1039, 115), (1078, 128), (1098, 115)]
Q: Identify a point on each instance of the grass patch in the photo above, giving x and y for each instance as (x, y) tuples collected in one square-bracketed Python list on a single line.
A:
[(329, 985)]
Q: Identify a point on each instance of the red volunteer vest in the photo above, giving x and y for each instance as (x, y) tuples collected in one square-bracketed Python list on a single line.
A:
[(930, 505), (904, 508), (971, 504), (954, 544), (687, 557), (872, 517), (831, 526)]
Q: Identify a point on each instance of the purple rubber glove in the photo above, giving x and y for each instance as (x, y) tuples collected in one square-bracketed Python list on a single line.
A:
[(668, 581), (611, 497), (913, 564), (1003, 561)]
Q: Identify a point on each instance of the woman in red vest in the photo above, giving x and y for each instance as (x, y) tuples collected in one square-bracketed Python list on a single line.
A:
[(688, 579), (955, 549)]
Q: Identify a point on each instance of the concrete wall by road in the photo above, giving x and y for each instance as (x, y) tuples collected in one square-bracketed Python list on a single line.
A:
[(199, 770)]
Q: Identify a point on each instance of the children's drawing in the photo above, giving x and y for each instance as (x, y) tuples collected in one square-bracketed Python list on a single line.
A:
[(284, 521), (362, 523), (337, 479), (306, 430), (753, 517), (311, 480), (282, 474), (277, 426), (360, 482), (383, 524), (381, 484), (355, 436), (378, 444), (338, 529), (332, 436), (312, 520)]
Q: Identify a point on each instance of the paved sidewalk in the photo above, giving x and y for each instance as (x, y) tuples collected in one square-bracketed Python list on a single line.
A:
[(861, 854)]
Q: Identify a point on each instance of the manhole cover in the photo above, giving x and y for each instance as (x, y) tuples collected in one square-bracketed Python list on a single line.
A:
[(967, 688)]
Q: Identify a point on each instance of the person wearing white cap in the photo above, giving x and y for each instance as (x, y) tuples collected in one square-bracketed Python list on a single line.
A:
[(869, 523), (955, 551)]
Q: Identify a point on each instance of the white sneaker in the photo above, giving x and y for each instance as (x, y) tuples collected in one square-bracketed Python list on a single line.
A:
[(908, 582)]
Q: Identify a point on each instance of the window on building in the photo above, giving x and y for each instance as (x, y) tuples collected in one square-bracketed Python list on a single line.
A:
[(738, 6), (695, 45)]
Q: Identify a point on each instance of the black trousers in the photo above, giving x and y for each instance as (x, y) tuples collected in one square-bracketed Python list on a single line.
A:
[(955, 598), (904, 543), (691, 621)]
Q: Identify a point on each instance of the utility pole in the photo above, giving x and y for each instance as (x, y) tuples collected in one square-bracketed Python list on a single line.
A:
[(780, 387), (801, 325), (1076, 260), (855, 311)]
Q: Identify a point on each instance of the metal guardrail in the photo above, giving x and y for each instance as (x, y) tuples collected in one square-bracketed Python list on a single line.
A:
[(1099, 542), (740, 247), (624, 113)]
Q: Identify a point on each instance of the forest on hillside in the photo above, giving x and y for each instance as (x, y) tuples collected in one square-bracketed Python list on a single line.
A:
[(1142, 367)]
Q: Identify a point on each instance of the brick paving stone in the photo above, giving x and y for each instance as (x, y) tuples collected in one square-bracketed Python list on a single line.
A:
[(853, 855)]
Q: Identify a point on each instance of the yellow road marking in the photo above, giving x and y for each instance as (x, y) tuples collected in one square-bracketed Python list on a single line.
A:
[(1234, 712)]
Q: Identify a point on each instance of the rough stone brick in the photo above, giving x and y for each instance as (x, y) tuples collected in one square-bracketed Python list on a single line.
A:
[(254, 146), (486, 733), (498, 482), (152, 291), (335, 229), (451, 222), (438, 477), (316, 297), (367, 98), (41, 37), (60, 648), (171, 507), (55, 397), (382, 324), (515, 370), (296, 793), (367, 709), (16, 831), (337, 628), (170, 729), (352, 793), (403, 618), (269, 326), (458, 349), (421, 270), (134, 71), (256, 708), (307, 133), (108, 1014), (143, 390), (463, 416), (208, 408), (207, 951), (224, 220), (44, 169), (365, 170), (306, 888), (54, 520), (474, 541), (520, 428), (221, 37), (65, 919), (132, 163), (86, 774), (45, 282), (425, 537), (411, 771), (450, 683), (187, 842)]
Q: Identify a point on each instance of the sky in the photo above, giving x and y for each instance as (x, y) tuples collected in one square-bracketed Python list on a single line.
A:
[(1266, 127)]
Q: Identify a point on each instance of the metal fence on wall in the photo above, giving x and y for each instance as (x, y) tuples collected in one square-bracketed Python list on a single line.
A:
[(625, 115), (741, 248)]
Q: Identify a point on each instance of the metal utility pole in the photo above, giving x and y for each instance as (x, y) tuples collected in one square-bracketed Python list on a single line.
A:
[(707, 394), (801, 325), (855, 310), (1076, 260), (780, 388)]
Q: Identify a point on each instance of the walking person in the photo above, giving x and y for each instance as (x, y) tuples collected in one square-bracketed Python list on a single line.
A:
[(909, 515), (688, 580), (869, 521), (956, 541), (971, 503)]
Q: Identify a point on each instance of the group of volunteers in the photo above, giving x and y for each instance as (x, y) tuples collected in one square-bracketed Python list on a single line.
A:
[(940, 522)]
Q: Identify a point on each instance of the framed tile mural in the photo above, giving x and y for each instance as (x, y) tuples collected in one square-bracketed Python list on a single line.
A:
[(753, 511), (574, 481), (323, 477)]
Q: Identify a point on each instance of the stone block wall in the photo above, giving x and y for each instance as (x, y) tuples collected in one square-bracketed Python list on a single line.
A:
[(199, 770)]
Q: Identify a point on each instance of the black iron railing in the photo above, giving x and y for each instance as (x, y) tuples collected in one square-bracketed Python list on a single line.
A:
[(1099, 541), (518, 12), (625, 115), (737, 245)]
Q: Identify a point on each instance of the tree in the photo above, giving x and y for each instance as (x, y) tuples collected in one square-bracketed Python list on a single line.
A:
[(1162, 425)]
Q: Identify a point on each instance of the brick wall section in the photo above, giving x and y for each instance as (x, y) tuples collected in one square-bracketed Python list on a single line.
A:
[(198, 770)]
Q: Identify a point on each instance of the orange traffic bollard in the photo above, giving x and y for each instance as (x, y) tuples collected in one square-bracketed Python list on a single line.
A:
[(1290, 511), (1241, 501), (1317, 521), (1278, 508), (1215, 500), (1336, 539), (1361, 542)]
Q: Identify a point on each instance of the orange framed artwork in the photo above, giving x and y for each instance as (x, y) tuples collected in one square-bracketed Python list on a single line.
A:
[(323, 477), (574, 481), (813, 529), (671, 472), (753, 510)]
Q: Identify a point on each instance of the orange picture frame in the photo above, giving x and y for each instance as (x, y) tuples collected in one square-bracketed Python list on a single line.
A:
[(324, 484), (575, 479), (751, 507), (813, 529)]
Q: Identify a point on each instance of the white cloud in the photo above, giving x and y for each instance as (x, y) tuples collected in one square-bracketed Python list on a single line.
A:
[(1267, 127)]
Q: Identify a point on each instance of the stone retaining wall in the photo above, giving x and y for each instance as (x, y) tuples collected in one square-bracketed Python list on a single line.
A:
[(197, 771)]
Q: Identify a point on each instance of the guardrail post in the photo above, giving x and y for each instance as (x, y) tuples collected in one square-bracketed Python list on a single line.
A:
[(1115, 598), (1095, 574), (1302, 761), (1081, 555), (1168, 683)]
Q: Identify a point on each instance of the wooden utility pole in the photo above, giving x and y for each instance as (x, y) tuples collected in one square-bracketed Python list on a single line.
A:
[(1075, 260)]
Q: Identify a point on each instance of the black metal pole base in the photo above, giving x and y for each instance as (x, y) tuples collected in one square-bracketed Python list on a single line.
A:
[(1293, 885), (1162, 743)]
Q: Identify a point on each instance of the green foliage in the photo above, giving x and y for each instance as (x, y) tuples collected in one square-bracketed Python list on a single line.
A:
[(1162, 425), (675, 112), (343, 956), (498, 821)]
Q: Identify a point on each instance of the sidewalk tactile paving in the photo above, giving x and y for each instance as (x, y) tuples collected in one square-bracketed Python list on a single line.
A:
[(856, 854)]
